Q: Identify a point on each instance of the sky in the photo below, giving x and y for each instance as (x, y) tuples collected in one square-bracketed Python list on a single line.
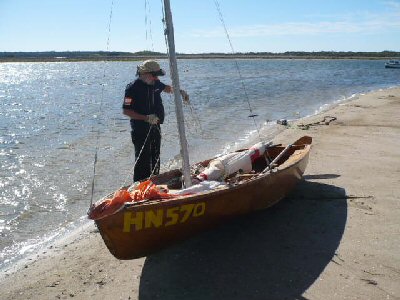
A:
[(252, 25)]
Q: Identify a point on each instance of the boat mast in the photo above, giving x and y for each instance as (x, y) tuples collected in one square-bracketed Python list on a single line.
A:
[(177, 97)]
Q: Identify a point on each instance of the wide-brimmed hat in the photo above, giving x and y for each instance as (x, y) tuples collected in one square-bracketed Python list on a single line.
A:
[(150, 66)]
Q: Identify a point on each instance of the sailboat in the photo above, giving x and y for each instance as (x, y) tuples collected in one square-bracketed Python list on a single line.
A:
[(146, 217)]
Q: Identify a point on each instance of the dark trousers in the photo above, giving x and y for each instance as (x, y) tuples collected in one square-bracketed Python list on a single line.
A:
[(147, 152)]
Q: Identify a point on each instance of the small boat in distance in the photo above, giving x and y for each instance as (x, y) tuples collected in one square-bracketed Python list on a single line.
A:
[(393, 64)]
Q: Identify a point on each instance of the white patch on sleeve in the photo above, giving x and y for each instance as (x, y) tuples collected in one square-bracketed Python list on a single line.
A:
[(128, 101)]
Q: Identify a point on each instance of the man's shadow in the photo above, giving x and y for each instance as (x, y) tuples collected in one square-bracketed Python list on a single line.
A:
[(272, 254)]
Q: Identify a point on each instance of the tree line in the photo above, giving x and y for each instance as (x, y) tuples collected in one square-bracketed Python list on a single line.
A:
[(116, 55)]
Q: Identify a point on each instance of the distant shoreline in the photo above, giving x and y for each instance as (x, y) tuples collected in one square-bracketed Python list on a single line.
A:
[(126, 56), (127, 59)]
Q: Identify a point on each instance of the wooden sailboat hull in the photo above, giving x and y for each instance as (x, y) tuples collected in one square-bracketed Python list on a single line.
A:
[(138, 230)]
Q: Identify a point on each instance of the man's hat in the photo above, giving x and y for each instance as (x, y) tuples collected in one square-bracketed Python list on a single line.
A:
[(150, 66)]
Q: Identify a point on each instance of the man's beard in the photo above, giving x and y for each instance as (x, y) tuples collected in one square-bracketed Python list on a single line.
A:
[(147, 78)]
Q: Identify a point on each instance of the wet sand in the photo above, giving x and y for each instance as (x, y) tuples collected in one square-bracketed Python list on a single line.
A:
[(336, 236)]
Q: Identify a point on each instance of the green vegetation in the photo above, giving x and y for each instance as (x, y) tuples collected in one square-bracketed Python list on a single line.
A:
[(128, 56)]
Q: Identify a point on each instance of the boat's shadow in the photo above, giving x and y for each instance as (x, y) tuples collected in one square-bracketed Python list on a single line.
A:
[(273, 254)]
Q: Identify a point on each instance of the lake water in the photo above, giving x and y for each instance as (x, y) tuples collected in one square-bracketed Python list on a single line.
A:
[(53, 116)]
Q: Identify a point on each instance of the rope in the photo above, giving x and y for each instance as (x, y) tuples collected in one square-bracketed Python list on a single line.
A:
[(193, 113), (196, 119), (147, 11), (131, 172), (325, 121), (158, 159), (252, 115), (148, 32), (101, 107)]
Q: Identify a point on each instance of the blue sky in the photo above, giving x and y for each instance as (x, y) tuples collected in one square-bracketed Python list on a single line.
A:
[(253, 25)]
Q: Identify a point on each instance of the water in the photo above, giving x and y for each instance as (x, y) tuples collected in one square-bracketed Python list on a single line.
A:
[(54, 115)]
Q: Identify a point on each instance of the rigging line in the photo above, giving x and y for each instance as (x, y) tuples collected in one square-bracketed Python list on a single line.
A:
[(148, 20), (151, 33), (196, 119), (165, 34), (145, 17), (165, 30), (166, 41), (148, 133), (191, 107), (140, 153), (154, 169), (159, 155), (252, 115), (100, 108), (148, 30)]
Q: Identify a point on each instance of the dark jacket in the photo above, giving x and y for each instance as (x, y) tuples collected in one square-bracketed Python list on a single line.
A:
[(144, 99)]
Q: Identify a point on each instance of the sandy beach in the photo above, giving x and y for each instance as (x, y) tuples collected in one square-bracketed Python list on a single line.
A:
[(336, 236)]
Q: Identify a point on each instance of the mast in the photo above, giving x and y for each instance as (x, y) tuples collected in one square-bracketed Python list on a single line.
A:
[(177, 97)]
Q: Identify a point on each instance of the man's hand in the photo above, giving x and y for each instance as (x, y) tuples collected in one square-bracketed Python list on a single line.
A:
[(168, 89), (152, 119)]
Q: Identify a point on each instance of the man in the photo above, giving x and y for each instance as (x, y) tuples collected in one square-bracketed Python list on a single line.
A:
[(143, 105)]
